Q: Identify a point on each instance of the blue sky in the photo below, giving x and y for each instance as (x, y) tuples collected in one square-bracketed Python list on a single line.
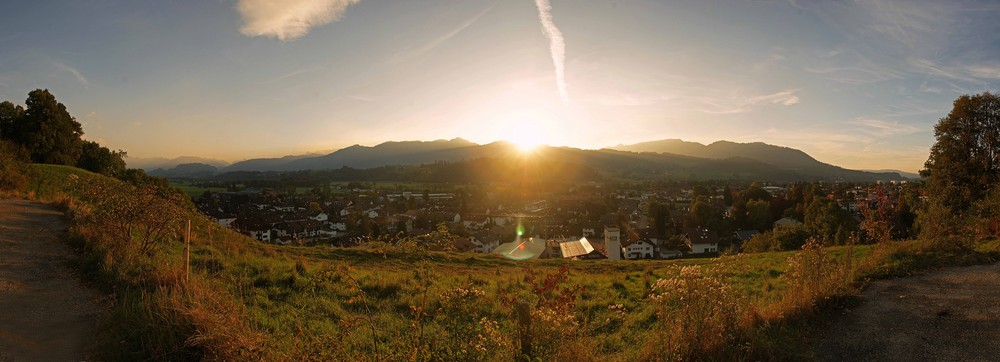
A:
[(857, 84)]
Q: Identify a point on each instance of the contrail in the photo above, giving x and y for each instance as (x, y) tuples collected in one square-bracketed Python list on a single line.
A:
[(557, 46)]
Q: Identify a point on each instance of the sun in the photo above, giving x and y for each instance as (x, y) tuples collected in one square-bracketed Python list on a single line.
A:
[(526, 142), (527, 130)]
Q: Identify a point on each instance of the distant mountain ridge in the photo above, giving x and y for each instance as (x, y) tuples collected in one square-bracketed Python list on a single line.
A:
[(721, 160), (187, 170), (776, 155), (262, 164), (904, 174), (153, 163), (783, 157)]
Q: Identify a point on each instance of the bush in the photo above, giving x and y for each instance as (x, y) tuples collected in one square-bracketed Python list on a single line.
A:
[(13, 166), (699, 315), (134, 219), (780, 239), (814, 276)]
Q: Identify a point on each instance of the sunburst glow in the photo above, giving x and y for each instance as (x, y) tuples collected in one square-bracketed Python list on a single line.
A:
[(527, 130)]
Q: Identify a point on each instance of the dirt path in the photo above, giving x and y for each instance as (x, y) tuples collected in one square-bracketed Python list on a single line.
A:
[(46, 314), (947, 315)]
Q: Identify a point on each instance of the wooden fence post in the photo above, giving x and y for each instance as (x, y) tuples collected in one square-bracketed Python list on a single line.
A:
[(187, 253), (524, 321)]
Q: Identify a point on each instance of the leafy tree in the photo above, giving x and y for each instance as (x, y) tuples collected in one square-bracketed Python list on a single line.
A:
[(755, 192), (989, 211), (138, 177), (700, 190), (9, 115), (826, 219), (876, 216), (964, 164), (758, 215), (659, 217), (47, 130), (99, 159), (315, 208), (703, 213), (781, 239)]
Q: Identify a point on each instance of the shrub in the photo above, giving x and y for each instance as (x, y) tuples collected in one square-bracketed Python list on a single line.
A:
[(135, 219), (814, 276), (553, 315), (13, 166), (699, 315), (780, 239)]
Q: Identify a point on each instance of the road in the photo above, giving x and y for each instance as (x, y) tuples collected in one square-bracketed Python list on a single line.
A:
[(46, 312), (946, 315)]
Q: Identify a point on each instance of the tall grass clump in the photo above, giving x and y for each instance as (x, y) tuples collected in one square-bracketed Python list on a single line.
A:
[(699, 315), (814, 277)]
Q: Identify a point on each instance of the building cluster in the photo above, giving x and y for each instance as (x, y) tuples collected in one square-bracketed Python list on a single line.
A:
[(579, 223)]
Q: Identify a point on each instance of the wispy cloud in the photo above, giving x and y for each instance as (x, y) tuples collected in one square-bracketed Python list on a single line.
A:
[(416, 52), (768, 62), (290, 75), (904, 39), (991, 71), (787, 98), (66, 68), (849, 66), (557, 45), (288, 19), (747, 104), (884, 128), (629, 99), (354, 97)]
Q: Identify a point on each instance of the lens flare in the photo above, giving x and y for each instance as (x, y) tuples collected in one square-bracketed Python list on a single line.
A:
[(521, 248)]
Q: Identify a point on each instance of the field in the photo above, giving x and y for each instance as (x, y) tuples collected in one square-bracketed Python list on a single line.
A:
[(195, 191), (243, 299)]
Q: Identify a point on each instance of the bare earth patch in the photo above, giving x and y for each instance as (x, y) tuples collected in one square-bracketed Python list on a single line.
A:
[(46, 313), (947, 315)]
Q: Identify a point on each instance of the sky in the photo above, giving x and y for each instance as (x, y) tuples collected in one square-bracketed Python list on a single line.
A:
[(858, 84)]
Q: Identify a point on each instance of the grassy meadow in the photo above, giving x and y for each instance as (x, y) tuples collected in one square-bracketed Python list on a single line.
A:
[(195, 191), (242, 299)]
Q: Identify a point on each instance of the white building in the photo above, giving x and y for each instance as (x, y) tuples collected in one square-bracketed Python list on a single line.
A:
[(225, 221), (702, 241), (613, 242), (641, 249), (261, 235)]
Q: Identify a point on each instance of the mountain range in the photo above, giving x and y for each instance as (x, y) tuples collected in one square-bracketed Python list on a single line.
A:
[(153, 163), (675, 159)]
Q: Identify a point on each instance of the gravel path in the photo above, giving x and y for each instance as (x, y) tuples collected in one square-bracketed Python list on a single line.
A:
[(947, 315), (46, 314)]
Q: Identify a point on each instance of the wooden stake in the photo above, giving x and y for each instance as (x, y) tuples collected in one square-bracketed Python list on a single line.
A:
[(187, 253), (524, 321)]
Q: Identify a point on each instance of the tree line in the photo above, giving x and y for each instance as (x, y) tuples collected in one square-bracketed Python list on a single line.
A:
[(43, 131)]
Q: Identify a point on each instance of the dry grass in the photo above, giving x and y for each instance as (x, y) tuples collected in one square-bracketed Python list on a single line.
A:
[(248, 301)]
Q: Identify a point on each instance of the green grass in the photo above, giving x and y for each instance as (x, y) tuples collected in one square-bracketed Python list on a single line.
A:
[(194, 191), (253, 300)]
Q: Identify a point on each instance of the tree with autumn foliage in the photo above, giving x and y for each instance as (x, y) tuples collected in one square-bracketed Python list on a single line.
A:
[(963, 169)]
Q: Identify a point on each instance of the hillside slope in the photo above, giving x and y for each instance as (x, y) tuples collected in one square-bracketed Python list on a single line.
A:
[(783, 157)]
